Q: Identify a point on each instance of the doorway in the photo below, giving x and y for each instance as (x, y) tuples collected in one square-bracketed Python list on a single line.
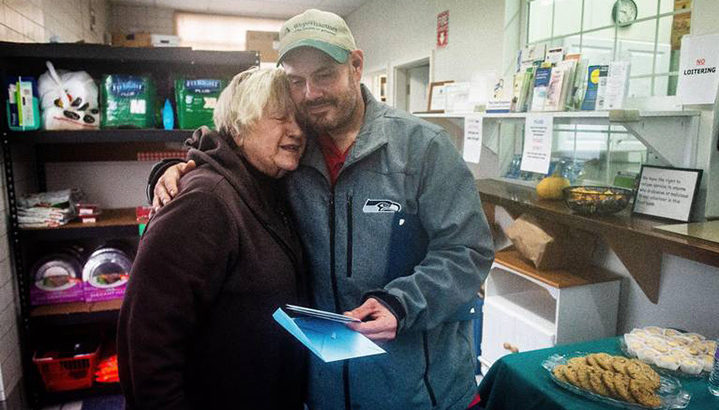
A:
[(411, 80)]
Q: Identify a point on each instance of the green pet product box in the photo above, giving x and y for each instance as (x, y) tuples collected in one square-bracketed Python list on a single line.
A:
[(128, 101), (22, 108), (196, 99)]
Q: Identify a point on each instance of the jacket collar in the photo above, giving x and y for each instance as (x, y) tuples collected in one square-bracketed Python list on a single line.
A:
[(370, 137), (220, 152)]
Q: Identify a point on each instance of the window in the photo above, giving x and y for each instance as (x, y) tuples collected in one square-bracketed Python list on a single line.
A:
[(650, 43), (599, 154), (217, 32)]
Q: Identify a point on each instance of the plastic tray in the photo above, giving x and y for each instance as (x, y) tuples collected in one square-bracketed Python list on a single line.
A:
[(661, 370), (670, 391)]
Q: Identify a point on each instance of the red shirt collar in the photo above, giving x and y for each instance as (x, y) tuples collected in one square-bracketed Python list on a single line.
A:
[(334, 158)]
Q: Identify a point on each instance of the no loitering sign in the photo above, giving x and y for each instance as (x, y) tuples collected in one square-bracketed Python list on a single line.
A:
[(698, 77)]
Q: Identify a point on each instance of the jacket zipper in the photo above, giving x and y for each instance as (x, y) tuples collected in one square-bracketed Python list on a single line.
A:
[(430, 391), (333, 277), (333, 274), (349, 235)]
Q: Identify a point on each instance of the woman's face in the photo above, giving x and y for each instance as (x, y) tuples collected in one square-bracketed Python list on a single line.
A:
[(275, 144)]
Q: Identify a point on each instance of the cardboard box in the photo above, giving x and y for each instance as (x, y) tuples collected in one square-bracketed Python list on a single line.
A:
[(132, 40), (164, 40), (264, 42)]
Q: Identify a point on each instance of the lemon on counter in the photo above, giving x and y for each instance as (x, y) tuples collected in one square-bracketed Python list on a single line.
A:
[(551, 187)]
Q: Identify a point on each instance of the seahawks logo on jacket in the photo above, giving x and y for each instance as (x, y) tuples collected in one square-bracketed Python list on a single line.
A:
[(374, 206)]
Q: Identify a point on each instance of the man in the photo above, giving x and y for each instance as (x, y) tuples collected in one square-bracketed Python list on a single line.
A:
[(392, 226)]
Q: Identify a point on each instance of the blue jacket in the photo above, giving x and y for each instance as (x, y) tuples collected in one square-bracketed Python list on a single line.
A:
[(403, 222)]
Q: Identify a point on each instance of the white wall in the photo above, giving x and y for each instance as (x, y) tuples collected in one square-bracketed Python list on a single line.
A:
[(398, 32), (34, 21)]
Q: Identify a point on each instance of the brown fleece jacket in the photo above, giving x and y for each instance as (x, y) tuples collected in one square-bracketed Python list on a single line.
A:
[(196, 328)]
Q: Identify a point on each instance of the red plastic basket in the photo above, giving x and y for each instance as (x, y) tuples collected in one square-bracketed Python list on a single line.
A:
[(62, 374)]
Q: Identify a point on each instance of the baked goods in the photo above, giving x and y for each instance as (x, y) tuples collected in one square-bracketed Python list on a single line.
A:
[(616, 377), (669, 349)]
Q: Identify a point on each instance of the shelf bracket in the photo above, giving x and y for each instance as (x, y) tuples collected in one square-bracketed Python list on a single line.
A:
[(642, 258), (673, 140)]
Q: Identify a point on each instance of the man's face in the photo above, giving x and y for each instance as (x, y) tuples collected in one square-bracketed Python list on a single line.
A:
[(326, 93)]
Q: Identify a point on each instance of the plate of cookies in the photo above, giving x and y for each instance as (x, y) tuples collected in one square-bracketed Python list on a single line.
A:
[(616, 380), (671, 351)]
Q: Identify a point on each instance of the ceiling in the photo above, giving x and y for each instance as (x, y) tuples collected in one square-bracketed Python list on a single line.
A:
[(253, 8)]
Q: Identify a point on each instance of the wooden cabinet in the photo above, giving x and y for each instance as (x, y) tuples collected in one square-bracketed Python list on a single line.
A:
[(527, 309)]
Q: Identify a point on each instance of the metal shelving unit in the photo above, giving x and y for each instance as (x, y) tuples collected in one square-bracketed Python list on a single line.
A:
[(38, 322)]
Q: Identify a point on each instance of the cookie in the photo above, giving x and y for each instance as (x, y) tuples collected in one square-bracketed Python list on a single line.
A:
[(592, 360), (595, 381), (621, 384), (608, 380), (579, 360), (570, 373), (604, 360), (643, 394), (634, 370), (619, 364), (650, 374), (558, 372), (583, 377)]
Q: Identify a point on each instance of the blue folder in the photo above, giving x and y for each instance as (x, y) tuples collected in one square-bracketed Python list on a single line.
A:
[(328, 339)]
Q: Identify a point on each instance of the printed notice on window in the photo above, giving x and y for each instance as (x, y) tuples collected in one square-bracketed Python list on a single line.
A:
[(537, 143), (698, 77), (472, 148), (666, 192)]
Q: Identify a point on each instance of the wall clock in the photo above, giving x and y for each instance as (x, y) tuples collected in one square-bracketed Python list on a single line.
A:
[(624, 12)]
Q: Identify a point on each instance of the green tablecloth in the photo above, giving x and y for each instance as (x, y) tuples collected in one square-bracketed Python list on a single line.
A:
[(518, 381)]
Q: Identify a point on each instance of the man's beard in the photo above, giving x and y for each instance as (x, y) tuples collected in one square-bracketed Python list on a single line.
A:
[(343, 107)]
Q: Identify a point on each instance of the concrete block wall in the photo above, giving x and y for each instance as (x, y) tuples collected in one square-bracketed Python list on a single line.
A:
[(128, 18), (31, 21)]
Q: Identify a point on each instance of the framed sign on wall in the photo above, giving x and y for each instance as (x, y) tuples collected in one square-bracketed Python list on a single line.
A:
[(667, 192)]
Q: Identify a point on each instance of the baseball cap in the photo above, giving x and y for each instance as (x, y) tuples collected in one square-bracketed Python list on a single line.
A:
[(322, 30)]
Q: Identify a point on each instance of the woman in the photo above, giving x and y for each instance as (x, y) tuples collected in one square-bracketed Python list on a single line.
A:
[(196, 328)]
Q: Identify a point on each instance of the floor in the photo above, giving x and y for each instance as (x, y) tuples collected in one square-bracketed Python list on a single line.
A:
[(93, 403)]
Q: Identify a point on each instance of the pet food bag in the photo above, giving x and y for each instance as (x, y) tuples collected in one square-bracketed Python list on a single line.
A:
[(128, 101), (196, 100), (57, 278), (106, 273), (68, 100)]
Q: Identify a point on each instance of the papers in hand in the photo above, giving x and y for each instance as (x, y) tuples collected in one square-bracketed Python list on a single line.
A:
[(323, 314), (327, 336)]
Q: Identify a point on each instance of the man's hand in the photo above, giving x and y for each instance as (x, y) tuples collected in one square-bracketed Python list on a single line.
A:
[(166, 187), (379, 324)]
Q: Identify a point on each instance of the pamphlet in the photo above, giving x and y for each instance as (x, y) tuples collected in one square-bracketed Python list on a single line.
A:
[(541, 84), (327, 338), (616, 86), (554, 55), (592, 86)]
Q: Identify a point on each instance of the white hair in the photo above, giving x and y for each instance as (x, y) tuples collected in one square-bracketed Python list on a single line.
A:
[(250, 95)]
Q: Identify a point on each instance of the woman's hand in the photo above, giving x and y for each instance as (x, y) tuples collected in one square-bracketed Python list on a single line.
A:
[(166, 187)]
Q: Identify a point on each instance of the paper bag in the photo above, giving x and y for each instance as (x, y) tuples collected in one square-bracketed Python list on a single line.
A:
[(549, 245)]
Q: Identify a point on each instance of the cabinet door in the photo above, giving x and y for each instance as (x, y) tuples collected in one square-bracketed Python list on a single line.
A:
[(532, 336), (498, 327)]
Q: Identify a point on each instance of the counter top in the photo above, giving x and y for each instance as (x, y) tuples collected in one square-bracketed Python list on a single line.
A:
[(634, 238)]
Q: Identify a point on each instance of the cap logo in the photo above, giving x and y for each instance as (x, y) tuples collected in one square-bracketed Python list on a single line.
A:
[(313, 25)]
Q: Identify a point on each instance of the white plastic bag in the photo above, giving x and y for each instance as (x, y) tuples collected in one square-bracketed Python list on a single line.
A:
[(68, 100)]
